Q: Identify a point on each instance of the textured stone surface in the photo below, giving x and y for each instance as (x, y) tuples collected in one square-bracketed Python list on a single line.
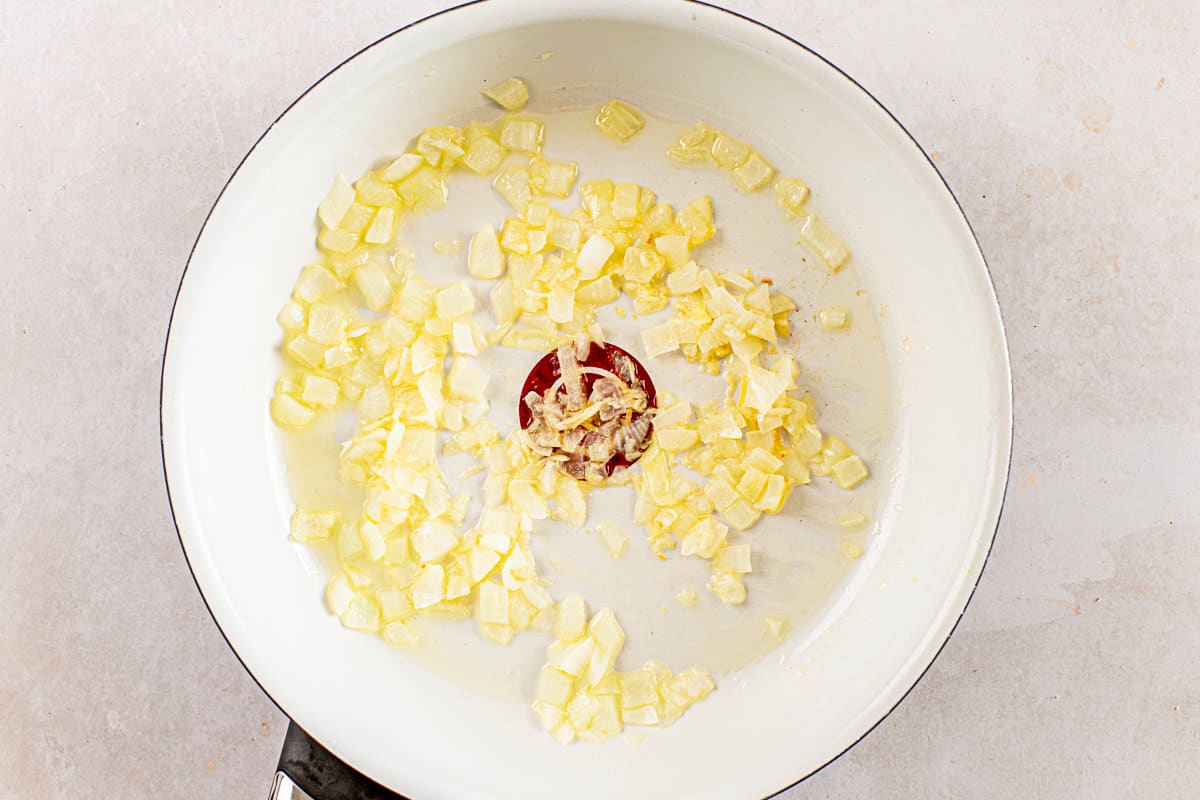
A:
[(1067, 130)]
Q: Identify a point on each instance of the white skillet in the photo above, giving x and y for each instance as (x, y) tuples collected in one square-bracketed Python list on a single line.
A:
[(941, 473)]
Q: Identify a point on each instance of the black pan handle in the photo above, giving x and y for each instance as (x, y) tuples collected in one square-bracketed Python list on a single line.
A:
[(307, 771)]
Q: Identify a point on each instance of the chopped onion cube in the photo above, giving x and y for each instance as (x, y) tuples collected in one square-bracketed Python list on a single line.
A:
[(370, 190), (817, 235), (374, 285), (424, 189), (660, 340), (393, 603), (319, 391), (373, 542), (291, 317), (348, 542), (466, 381), (526, 498), (696, 219), (754, 174), (361, 614), (572, 619), (613, 537), (326, 325), (493, 603), (625, 201), (514, 185), (430, 586), (582, 710), (674, 415), (357, 218), (741, 515), (455, 301), (485, 260), (791, 193), (849, 472), (721, 425), (619, 120), (833, 318), (722, 493), (433, 540), (759, 458), (607, 632), (484, 155), (554, 687), (599, 292), (593, 256), (575, 658), (752, 484), (312, 526), (675, 248), (676, 440), (336, 240), (337, 202), (521, 133), (483, 561), (733, 558), (402, 167), (728, 152), (637, 690), (728, 588), (537, 596), (338, 594), (704, 538), (290, 413), (694, 145), (441, 146), (564, 234), (553, 178), (697, 682), (316, 282), (521, 613), (561, 304), (510, 94), (382, 226)]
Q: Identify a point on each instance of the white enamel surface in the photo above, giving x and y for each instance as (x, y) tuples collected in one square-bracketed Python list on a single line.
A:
[(431, 738)]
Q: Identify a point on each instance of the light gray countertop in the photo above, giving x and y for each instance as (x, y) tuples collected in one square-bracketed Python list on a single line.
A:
[(1067, 130)]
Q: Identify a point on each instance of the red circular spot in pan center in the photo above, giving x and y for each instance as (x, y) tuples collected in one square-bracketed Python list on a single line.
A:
[(600, 357)]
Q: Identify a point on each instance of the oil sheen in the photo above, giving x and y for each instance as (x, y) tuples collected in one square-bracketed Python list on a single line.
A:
[(800, 561)]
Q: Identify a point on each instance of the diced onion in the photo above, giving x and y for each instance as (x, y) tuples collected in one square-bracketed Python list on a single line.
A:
[(817, 235), (336, 202), (510, 94), (311, 526), (619, 120), (521, 133), (485, 260), (613, 537), (407, 369), (833, 318)]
